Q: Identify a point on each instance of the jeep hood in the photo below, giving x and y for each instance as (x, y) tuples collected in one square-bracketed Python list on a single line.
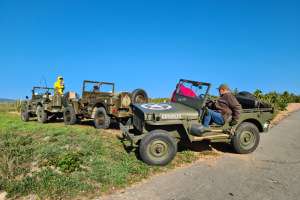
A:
[(168, 108)]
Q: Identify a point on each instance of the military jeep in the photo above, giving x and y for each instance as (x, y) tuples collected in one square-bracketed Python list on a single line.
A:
[(43, 104), (101, 103), (158, 127)]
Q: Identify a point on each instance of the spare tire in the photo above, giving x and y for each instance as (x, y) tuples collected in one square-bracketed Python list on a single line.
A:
[(64, 99), (139, 96), (247, 94)]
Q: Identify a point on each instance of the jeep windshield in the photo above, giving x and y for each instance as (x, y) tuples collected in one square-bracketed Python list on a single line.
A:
[(194, 90), (43, 91), (191, 93), (94, 86)]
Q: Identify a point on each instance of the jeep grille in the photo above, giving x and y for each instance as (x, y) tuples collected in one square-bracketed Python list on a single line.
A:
[(138, 119)]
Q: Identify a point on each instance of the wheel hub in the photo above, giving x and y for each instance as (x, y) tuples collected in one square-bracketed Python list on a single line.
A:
[(247, 139), (158, 149), (68, 116), (100, 119), (140, 99)]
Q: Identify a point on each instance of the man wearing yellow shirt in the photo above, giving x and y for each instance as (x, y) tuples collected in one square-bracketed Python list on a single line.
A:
[(59, 85)]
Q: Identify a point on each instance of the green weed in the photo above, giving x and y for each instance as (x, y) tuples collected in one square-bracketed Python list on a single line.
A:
[(57, 161)]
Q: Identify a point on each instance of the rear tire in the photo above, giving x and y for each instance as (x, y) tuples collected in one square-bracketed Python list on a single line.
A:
[(101, 119), (41, 115), (139, 96), (246, 138), (24, 115), (158, 148), (69, 116)]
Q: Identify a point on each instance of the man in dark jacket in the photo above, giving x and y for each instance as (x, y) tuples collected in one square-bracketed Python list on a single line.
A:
[(225, 107)]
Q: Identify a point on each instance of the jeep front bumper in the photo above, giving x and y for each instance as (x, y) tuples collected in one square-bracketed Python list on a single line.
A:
[(126, 134), (131, 134)]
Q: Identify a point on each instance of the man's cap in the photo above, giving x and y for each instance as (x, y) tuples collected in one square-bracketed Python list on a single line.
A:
[(223, 87)]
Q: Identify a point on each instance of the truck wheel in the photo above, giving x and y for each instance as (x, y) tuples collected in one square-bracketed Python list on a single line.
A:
[(247, 94), (64, 100), (37, 109), (69, 116), (246, 138), (41, 115), (139, 96), (158, 148), (24, 115), (101, 119)]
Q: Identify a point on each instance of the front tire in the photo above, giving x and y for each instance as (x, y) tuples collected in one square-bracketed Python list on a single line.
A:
[(101, 119), (158, 148), (41, 116), (69, 116), (24, 115), (246, 138)]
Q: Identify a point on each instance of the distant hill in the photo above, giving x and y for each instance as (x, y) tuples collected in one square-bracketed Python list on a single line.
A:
[(6, 100)]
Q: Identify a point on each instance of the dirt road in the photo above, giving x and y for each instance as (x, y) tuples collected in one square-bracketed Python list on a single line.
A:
[(270, 172)]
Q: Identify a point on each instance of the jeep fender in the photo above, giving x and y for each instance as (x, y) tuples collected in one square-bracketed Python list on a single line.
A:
[(257, 123), (95, 105)]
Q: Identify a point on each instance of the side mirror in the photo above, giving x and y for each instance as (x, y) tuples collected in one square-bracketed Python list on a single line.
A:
[(27, 97)]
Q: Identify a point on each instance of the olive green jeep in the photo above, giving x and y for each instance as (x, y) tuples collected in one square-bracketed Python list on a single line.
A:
[(157, 127), (44, 104), (101, 103)]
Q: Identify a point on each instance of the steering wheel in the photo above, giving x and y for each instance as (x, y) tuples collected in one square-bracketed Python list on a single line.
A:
[(201, 96)]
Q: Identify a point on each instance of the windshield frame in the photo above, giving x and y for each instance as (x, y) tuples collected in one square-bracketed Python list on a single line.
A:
[(46, 88), (98, 82), (193, 102)]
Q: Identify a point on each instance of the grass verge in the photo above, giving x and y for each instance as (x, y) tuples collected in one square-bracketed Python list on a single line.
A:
[(58, 161)]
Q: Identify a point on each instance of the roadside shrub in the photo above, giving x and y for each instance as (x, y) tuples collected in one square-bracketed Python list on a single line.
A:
[(68, 163)]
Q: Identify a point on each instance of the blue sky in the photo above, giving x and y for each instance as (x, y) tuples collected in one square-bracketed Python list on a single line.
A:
[(150, 44)]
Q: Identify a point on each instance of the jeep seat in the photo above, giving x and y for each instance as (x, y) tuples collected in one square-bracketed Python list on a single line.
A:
[(247, 102)]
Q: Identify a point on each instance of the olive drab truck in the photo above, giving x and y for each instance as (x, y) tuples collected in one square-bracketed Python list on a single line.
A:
[(157, 127), (44, 104), (100, 103)]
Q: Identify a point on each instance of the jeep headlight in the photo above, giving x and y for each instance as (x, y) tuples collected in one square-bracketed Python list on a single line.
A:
[(156, 117), (148, 117)]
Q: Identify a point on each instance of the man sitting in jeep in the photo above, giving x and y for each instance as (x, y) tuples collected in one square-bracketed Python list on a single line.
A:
[(225, 107)]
